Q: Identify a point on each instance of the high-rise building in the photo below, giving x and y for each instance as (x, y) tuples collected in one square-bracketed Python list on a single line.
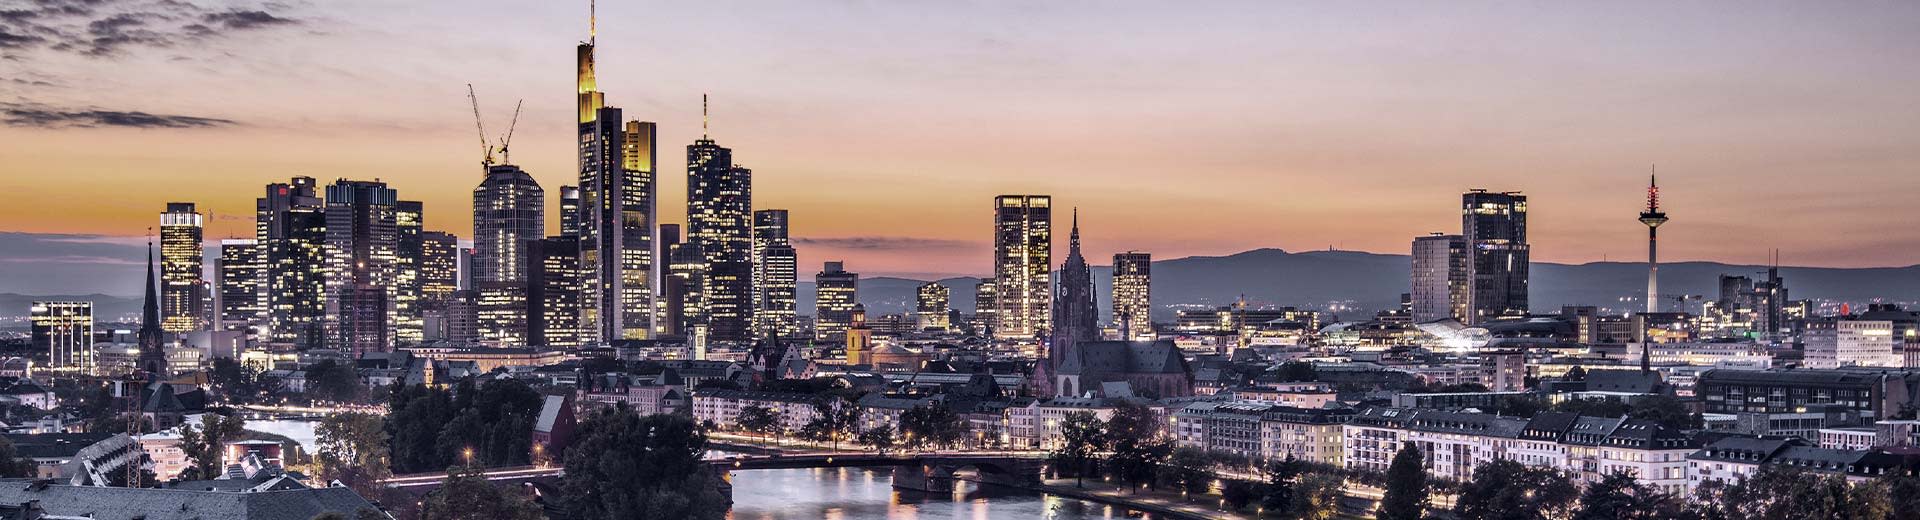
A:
[(1653, 218), (1133, 295), (409, 251), (439, 266), (508, 214), (1494, 226), (570, 211), (1022, 265), (1439, 278), (617, 190), (182, 294), (64, 330), (775, 275), (933, 305), (553, 289), (670, 296), (363, 239), (836, 291), (1076, 318), (984, 318), (291, 230), (241, 272), (720, 219)]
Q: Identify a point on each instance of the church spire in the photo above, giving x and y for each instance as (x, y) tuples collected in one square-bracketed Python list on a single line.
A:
[(153, 356), (1075, 234)]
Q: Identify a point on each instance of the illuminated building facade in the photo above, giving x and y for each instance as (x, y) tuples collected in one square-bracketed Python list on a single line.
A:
[(1022, 265), (570, 211), (934, 304), (984, 298), (408, 220), (719, 219), (859, 345), (508, 215), (291, 228), (241, 272), (775, 275), (1133, 295), (836, 292), (362, 242), (1439, 278), (553, 290), (64, 330), (182, 294), (1494, 226), (439, 266), (617, 193)]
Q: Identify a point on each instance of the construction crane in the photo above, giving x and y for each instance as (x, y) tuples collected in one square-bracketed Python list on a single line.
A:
[(486, 150), (508, 139)]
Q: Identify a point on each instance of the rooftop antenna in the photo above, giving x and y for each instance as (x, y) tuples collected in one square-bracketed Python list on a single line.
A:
[(704, 118), (508, 139), (486, 150), (593, 17)]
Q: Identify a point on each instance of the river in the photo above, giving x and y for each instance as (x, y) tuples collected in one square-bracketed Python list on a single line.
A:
[(868, 494)]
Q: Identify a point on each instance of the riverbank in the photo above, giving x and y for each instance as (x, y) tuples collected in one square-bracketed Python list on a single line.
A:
[(1160, 504)]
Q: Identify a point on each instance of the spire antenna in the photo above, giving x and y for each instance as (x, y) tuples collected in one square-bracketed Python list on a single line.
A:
[(704, 118), (593, 21)]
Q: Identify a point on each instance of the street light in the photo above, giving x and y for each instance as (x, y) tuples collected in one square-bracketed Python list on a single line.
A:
[(468, 453)]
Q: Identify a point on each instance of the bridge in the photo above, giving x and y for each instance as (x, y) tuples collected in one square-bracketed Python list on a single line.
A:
[(931, 471)]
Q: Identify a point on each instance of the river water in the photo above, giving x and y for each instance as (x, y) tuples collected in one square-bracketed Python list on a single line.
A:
[(868, 494)]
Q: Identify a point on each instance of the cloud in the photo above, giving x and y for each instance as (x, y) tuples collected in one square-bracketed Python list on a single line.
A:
[(245, 20), (111, 28), (35, 116), (886, 243)]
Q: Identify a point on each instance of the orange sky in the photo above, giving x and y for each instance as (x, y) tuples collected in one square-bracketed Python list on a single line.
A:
[(1180, 132)]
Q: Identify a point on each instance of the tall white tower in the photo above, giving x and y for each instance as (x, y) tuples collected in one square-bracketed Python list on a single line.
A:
[(1653, 218)]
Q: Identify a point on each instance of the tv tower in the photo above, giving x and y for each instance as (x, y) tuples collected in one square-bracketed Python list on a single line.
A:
[(1653, 218)]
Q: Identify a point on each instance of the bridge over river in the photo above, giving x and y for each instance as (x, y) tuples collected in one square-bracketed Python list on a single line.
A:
[(924, 471)]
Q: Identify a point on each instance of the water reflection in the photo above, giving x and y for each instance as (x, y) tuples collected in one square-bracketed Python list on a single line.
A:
[(863, 494)]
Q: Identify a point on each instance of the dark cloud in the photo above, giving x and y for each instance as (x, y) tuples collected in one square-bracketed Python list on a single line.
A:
[(108, 28), (45, 117), (245, 20), (885, 243)]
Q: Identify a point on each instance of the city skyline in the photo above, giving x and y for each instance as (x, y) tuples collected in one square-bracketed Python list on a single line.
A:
[(1281, 142)]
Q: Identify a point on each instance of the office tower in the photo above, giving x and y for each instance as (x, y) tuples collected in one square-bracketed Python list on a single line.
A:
[(1439, 278), (1022, 265), (835, 292), (181, 292), (670, 295), (984, 298), (1771, 303), (1494, 226), (241, 272), (409, 219), (553, 289), (439, 266), (1076, 318), (1653, 218), (363, 239), (617, 189), (720, 219), (775, 275), (508, 214), (151, 341), (1133, 295), (934, 302), (570, 211), (64, 330), (290, 227)]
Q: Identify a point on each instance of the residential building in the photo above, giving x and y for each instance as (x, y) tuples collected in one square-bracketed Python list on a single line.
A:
[(1440, 278)]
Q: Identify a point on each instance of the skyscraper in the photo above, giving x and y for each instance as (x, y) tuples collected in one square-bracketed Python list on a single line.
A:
[(775, 275), (1133, 295), (182, 295), (1653, 218), (1076, 318), (1022, 260), (363, 239), (553, 289), (930, 311), (719, 218), (241, 272), (409, 219), (508, 214), (984, 317), (64, 330), (291, 229), (836, 291), (617, 193), (570, 211), (1439, 278), (1494, 226), (439, 266)]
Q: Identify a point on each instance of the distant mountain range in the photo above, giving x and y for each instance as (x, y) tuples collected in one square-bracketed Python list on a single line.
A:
[(1355, 284)]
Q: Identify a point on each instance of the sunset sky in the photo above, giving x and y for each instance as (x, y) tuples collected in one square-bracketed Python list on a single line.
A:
[(1180, 128)]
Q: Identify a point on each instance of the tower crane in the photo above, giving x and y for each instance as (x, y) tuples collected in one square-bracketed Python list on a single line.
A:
[(508, 139), (486, 150)]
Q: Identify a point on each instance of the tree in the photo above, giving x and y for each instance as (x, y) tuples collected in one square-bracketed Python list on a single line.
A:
[(433, 428), (1777, 493), (1280, 496), (622, 465), (834, 417), (1298, 371), (332, 381), (1666, 410), (206, 446), (1188, 470), (880, 438), (757, 419), (233, 381), (14, 465), (1618, 496), (466, 494), (932, 425), (1138, 446), (1081, 434), (1507, 490), (1576, 374), (1316, 497), (1236, 494), (353, 450), (1406, 497), (1595, 407)]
